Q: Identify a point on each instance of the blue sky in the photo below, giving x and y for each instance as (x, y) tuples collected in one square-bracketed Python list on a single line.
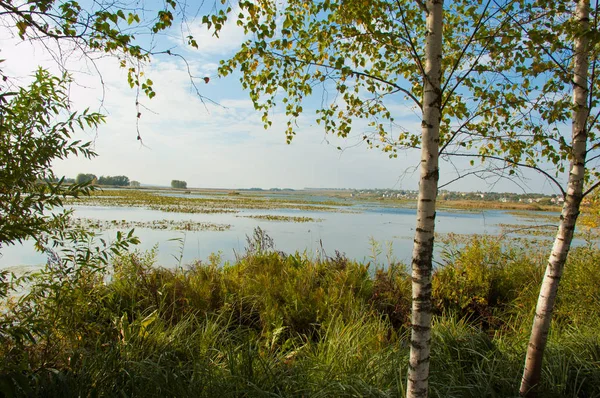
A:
[(224, 145)]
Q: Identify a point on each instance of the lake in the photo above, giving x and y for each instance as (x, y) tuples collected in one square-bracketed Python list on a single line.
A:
[(349, 229)]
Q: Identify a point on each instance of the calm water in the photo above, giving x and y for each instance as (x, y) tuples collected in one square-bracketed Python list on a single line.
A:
[(350, 233)]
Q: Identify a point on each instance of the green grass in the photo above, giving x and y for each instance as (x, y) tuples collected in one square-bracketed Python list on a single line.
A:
[(285, 325)]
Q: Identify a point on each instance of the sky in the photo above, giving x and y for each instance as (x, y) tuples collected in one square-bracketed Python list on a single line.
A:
[(220, 142)]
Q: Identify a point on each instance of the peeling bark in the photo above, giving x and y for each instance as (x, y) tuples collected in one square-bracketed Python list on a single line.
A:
[(418, 374), (562, 243)]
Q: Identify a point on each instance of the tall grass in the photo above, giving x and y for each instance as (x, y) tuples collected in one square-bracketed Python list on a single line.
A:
[(272, 324)]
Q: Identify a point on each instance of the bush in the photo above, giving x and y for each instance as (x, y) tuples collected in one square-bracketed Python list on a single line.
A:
[(36, 129), (486, 276)]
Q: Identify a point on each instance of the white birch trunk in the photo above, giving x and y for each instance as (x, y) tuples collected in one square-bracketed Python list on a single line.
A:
[(570, 211), (418, 373)]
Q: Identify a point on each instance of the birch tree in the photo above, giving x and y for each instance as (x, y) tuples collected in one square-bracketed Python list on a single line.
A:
[(422, 257), (583, 100), (550, 53), (370, 54)]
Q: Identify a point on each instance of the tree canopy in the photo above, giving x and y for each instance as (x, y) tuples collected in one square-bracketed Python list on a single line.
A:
[(119, 181), (178, 184), (99, 26), (83, 178), (36, 130), (507, 71)]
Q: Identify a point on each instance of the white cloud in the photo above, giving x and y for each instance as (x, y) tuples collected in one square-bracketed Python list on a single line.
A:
[(231, 36), (209, 145)]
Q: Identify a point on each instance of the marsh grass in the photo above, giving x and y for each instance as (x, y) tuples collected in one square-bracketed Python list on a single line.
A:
[(272, 324), (273, 217), (482, 204), (171, 225), (210, 204)]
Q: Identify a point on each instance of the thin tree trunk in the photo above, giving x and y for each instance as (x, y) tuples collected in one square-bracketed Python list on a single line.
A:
[(562, 243), (418, 374)]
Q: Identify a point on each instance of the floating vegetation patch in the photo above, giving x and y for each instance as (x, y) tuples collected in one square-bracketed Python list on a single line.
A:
[(533, 230), (190, 209), (180, 225), (270, 217), (407, 237), (453, 239), (533, 216), (213, 204)]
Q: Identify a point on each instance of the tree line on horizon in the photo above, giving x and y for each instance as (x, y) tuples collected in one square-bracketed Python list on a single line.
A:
[(119, 181)]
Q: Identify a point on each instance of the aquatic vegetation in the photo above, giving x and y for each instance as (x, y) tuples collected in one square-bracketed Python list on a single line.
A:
[(209, 203), (529, 229), (271, 217), (177, 225), (533, 216)]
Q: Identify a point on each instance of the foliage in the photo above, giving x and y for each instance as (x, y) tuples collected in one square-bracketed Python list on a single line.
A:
[(101, 26), (539, 86), (589, 219), (32, 302), (86, 178), (37, 125), (284, 324), (486, 276), (178, 184), (119, 181), (369, 54), (579, 288)]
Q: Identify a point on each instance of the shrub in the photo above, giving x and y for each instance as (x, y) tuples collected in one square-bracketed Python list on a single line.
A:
[(484, 276)]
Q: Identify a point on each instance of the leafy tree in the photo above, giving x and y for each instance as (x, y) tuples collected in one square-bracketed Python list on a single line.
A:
[(561, 40), (96, 27), (178, 184), (36, 130), (86, 178), (370, 54), (134, 184), (120, 181), (551, 52)]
